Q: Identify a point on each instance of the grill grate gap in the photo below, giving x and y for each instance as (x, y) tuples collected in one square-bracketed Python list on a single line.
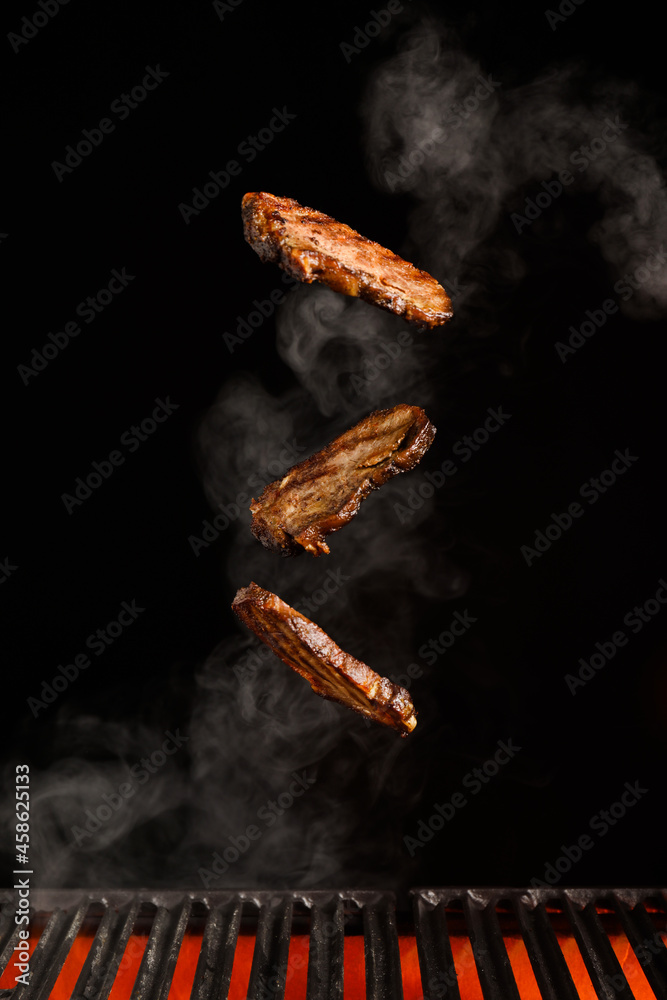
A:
[(411, 978), (493, 964), (648, 958), (562, 927), (189, 953), (141, 920), (296, 972), (243, 951), (80, 949), (522, 969), (597, 952), (354, 964), (550, 968), (655, 905), (464, 975)]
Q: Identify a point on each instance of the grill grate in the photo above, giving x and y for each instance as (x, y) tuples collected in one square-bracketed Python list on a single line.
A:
[(214, 969), (487, 918)]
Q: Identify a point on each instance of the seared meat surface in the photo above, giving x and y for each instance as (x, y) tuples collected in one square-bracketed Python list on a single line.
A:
[(311, 246), (324, 492), (331, 673)]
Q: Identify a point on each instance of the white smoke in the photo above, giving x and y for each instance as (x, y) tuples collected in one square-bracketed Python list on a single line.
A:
[(470, 150)]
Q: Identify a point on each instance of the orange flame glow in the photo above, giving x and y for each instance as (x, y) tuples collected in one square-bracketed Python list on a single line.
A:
[(355, 975)]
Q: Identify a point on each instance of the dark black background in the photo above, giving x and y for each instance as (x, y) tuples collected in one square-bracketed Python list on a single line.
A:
[(163, 337)]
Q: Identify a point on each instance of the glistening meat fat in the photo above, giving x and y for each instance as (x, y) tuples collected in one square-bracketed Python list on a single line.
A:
[(311, 246), (324, 492), (332, 673)]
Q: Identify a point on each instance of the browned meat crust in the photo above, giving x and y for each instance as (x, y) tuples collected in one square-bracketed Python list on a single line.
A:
[(331, 673), (324, 492), (311, 246)]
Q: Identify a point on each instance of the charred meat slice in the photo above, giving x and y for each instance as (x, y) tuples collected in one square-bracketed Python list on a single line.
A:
[(324, 492), (311, 246), (331, 673)]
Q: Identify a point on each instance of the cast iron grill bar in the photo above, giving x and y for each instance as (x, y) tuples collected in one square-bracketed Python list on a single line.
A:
[(383, 961), (436, 961), (493, 965), (51, 953), (10, 938), (106, 952), (9, 932), (551, 972), (159, 959), (647, 944), (596, 950), (216, 958), (269, 960), (117, 913), (325, 956)]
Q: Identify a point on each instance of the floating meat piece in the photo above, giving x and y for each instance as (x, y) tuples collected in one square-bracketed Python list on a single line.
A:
[(311, 246), (331, 673), (324, 492)]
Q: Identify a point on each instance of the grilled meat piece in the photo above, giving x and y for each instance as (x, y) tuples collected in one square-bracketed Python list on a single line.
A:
[(311, 246), (331, 673), (324, 492)]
